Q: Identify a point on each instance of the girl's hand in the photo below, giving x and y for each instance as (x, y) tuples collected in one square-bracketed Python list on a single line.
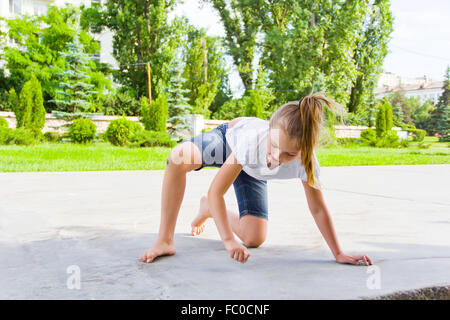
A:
[(353, 259), (237, 251)]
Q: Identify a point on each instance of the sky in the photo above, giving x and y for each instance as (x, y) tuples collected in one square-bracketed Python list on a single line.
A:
[(419, 46)]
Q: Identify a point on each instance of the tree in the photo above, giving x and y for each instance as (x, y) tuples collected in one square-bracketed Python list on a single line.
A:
[(141, 34), (381, 120), (407, 105), (177, 100), (39, 42), (241, 29), (154, 116), (397, 113), (204, 68), (371, 49), (30, 112), (384, 121), (77, 93), (440, 116), (309, 40)]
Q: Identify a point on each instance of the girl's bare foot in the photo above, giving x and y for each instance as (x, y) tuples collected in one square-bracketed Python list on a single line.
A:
[(198, 224), (158, 249)]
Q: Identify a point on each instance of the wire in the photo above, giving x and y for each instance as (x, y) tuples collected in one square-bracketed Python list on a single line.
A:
[(421, 54)]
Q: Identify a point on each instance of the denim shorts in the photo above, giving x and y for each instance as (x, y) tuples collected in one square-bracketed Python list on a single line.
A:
[(251, 193)]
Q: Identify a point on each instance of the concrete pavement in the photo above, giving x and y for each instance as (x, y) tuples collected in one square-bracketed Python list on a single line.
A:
[(55, 227)]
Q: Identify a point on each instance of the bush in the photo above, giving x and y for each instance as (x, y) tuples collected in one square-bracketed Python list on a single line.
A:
[(423, 145), (231, 109), (20, 136), (348, 141), (389, 139), (30, 112), (122, 103), (419, 134), (51, 136), (146, 138), (369, 137), (120, 130), (154, 116), (82, 130), (3, 123), (254, 106), (404, 143)]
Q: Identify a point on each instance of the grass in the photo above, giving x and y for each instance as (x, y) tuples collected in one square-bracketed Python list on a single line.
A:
[(72, 157), (104, 156)]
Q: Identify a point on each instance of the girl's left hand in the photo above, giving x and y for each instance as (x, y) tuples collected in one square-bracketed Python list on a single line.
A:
[(353, 259)]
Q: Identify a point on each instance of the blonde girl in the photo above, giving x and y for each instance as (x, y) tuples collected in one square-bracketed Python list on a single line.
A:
[(249, 151)]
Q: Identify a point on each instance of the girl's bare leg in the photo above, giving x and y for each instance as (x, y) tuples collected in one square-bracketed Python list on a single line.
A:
[(250, 229), (181, 161)]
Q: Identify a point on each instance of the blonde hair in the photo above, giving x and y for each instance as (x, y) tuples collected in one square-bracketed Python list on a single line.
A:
[(302, 121)]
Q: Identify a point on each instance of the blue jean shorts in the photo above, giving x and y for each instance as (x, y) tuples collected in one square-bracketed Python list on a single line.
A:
[(251, 193)]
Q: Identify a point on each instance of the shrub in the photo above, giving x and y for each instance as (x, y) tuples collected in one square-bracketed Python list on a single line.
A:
[(389, 139), (419, 134), (82, 131), (423, 145), (154, 116), (348, 141), (369, 137), (30, 112), (146, 138), (122, 103), (5, 135), (231, 109), (3, 123), (20, 136), (404, 143), (51, 136), (254, 105), (120, 130)]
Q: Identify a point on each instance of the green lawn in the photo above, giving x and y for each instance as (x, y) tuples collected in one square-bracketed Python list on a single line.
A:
[(103, 156)]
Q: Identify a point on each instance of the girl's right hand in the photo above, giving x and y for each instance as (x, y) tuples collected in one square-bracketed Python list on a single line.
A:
[(237, 251)]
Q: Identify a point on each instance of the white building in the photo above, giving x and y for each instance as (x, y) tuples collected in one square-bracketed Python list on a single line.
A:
[(11, 8), (423, 88)]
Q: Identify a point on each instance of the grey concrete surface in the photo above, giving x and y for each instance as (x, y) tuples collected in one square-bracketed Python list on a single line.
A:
[(102, 221)]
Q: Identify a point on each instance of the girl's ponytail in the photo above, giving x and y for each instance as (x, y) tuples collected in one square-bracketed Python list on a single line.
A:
[(303, 121)]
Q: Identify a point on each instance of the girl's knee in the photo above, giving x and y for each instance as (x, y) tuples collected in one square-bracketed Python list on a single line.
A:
[(185, 157), (254, 242)]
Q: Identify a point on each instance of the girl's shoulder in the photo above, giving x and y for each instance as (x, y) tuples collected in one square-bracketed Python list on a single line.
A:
[(241, 121)]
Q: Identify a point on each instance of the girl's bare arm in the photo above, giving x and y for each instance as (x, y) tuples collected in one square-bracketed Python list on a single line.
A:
[(323, 221), (219, 186)]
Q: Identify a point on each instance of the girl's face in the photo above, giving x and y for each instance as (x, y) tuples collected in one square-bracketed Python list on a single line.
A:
[(280, 149)]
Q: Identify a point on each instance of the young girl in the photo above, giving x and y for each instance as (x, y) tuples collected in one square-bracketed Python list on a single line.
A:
[(249, 151)]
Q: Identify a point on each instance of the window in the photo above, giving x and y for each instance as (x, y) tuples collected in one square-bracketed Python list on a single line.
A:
[(15, 6)]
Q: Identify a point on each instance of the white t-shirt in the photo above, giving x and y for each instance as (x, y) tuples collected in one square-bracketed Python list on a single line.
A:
[(248, 142)]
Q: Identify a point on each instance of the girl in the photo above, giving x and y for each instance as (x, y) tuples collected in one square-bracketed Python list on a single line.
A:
[(249, 151)]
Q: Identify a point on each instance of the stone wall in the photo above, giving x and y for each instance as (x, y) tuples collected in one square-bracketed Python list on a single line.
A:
[(197, 125)]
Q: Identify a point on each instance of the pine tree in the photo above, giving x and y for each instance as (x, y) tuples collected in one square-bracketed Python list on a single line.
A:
[(73, 100), (440, 117), (76, 92), (177, 101), (398, 114)]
